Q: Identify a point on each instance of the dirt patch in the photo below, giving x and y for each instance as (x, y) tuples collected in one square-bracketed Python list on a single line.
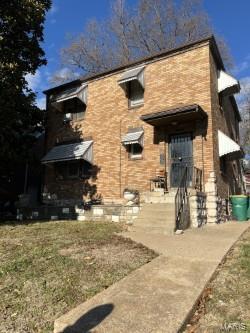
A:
[(46, 269), (119, 251)]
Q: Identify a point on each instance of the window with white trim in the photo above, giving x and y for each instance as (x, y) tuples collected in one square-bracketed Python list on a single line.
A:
[(135, 151)]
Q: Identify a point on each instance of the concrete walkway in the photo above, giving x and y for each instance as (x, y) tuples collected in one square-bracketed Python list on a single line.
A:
[(159, 296)]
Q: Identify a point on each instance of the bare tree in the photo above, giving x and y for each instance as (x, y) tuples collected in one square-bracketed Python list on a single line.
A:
[(244, 106), (134, 32)]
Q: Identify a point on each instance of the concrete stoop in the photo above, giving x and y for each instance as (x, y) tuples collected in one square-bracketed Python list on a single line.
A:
[(155, 218), (158, 196)]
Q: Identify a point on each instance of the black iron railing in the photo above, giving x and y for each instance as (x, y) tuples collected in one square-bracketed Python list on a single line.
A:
[(197, 179), (182, 216)]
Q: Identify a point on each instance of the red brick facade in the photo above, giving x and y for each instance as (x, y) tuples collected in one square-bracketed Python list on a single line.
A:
[(185, 77)]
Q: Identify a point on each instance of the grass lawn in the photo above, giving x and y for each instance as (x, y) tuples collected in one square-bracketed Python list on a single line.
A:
[(47, 268), (226, 301)]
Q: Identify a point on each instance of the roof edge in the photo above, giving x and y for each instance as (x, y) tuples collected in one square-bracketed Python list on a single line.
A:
[(209, 39)]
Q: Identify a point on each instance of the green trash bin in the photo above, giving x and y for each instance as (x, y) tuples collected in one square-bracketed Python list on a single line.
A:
[(239, 207), (248, 210)]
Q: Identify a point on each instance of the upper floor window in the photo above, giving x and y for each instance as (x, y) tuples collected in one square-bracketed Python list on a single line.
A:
[(135, 93), (74, 109), (72, 102), (132, 82)]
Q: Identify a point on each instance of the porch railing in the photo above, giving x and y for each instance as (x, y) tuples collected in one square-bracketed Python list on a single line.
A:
[(182, 216), (182, 212)]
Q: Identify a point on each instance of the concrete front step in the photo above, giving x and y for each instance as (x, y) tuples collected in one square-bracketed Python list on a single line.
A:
[(164, 199), (158, 197), (158, 218), (157, 206)]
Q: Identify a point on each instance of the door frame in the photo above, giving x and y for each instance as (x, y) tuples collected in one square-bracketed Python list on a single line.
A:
[(190, 133)]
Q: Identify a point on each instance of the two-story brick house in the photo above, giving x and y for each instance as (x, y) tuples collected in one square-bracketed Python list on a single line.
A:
[(122, 128)]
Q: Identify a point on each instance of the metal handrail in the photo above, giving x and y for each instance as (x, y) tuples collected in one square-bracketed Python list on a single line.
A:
[(181, 203)]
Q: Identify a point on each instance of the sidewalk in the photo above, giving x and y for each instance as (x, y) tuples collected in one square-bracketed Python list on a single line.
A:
[(159, 296)]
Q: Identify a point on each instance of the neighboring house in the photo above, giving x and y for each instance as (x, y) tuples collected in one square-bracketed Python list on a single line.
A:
[(122, 128)]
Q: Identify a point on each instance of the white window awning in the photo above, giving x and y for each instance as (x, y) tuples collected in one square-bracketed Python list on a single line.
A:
[(133, 137), (131, 75), (76, 92), (73, 151), (227, 145), (227, 84)]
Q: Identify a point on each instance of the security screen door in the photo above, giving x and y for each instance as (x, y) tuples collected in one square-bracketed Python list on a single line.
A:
[(180, 156)]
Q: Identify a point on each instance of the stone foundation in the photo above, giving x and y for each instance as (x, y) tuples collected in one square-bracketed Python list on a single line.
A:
[(212, 199), (198, 211), (112, 213), (217, 208)]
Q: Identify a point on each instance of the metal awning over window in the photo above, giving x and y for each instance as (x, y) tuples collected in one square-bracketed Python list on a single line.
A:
[(76, 92), (73, 151), (133, 137), (228, 146), (227, 84), (131, 75)]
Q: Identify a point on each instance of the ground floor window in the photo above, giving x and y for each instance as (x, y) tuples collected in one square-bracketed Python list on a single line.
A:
[(135, 151), (78, 169)]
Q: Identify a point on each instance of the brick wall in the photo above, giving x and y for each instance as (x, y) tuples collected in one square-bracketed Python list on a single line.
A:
[(182, 78)]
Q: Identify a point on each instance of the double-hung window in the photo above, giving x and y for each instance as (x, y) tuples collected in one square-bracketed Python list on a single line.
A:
[(133, 142), (132, 82), (135, 93)]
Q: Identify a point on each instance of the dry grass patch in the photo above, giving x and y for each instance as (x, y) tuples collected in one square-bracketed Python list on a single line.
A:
[(225, 305), (47, 268)]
